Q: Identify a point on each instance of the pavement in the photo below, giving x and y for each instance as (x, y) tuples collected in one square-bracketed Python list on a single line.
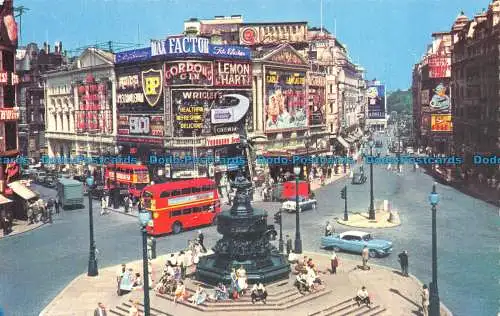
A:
[(19, 227), (399, 295), (362, 220)]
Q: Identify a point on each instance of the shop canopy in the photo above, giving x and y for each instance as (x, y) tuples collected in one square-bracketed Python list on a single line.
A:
[(21, 190), (343, 142), (4, 200)]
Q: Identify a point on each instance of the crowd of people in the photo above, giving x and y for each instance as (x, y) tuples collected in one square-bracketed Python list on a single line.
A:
[(307, 279)]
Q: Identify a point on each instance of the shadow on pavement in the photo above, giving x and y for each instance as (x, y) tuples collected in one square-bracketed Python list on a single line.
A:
[(406, 298)]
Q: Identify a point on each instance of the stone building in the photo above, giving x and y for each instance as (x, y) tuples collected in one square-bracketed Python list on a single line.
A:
[(31, 63), (80, 103), (475, 94)]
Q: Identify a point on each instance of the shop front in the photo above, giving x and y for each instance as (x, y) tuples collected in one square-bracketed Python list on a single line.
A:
[(21, 198)]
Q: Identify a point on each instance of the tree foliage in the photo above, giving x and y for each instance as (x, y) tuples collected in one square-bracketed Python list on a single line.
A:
[(400, 101)]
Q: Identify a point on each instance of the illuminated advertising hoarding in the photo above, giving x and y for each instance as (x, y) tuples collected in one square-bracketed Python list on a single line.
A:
[(316, 84), (285, 100), (441, 123), (141, 125), (135, 55), (210, 112), (376, 101), (140, 90), (94, 113), (271, 33), (189, 73), (8, 25), (196, 46), (440, 101), (232, 74), (439, 66)]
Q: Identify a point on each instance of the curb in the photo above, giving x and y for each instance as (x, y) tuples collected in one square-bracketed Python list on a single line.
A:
[(447, 310), (391, 225), (23, 232), (123, 213), (60, 294)]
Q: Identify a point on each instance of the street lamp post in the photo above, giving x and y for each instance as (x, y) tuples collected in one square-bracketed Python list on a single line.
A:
[(434, 304), (144, 221), (298, 241), (92, 270), (115, 186), (308, 170), (372, 208)]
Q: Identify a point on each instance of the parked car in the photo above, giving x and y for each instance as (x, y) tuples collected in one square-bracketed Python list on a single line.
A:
[(304, 204), (40, 177), (358, 178), (355, 241)]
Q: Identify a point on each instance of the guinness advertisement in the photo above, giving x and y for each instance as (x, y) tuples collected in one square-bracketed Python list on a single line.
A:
[(189, 73), (140, 89), (210, 112)]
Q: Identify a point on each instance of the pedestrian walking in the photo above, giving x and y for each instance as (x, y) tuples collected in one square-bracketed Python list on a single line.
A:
[(57, 206), (334, 262), (328, 229), (288, 244), (5, 224), (126, 204), (104, 205), (403, 261), (100, 310), (364, 256), (180, 262), (201, 238), (425, 300)]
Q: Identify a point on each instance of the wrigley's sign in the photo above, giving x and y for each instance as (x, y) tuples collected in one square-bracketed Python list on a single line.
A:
[(196, 46)]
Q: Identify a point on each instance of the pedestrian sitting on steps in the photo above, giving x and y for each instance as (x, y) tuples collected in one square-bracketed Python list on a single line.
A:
[(259, 293), (363, 297)]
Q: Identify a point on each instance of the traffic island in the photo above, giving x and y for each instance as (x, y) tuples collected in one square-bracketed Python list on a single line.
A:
[(383, 219)]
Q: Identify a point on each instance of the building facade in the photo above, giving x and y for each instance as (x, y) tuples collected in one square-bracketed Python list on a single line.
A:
[(31, 63), (475, 94), (81, 110)]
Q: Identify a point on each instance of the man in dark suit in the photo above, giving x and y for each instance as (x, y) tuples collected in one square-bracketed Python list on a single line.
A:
[(100, 310), (403, 261)]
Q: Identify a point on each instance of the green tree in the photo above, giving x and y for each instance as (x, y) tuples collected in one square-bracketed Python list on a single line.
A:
[(400, 101)]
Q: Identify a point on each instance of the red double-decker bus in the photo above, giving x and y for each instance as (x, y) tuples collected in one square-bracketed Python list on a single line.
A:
[(180, 205), (133, 178)]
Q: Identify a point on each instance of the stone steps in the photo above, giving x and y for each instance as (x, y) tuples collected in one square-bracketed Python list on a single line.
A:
[(122, 310), (349, 307)]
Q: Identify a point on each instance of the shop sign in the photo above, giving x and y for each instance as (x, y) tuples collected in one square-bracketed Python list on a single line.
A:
[(189, 73), (152, 85), (144, 125), (223, 140), (270, 33), (141, 140), (180, 46), (286, 106), (233, 74), (441, 123), (9, 114), (135, 55)]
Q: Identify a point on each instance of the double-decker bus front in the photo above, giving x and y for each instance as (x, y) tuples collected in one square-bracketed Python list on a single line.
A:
[(129, 177), (181, 205)]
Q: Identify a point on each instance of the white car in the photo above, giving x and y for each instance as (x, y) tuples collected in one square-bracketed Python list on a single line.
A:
[(410, 151), (304, 204)]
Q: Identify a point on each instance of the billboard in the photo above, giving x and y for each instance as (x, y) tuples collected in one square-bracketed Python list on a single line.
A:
[(285, 100), (376, 101), (185, 46), (94, 113), (232, 74), (441, 123), (439, 66), (440, 101), (210, 112), (316, 92), (189, 73), (139, 90), (8, 25), (273, 33), (134, 55), (141, 125)]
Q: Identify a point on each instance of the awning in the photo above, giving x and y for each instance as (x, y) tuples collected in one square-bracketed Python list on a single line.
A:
[(342, 141), (22, 190), (4, 200)]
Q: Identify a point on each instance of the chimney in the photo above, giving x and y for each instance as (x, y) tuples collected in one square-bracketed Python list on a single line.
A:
[(48, 49)]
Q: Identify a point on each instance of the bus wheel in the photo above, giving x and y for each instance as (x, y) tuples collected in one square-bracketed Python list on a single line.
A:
[(176, 228)]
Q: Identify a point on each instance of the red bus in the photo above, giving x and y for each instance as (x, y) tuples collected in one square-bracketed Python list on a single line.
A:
[(181, 205), (128, 176)]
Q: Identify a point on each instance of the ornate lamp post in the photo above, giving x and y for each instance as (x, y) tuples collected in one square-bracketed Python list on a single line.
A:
[(371, 211), (434, 304), (308, 170), (92, 270), (115, 186), (144, 221), (298, 241)]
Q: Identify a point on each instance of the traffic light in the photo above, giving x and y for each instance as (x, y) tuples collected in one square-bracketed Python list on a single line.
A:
[(343, 193), (277, 218)]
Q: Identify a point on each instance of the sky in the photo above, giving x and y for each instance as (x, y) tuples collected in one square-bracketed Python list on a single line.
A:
[(385, 36)]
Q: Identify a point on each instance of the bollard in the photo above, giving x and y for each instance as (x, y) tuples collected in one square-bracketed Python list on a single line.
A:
[(394, 217), (386, 206)]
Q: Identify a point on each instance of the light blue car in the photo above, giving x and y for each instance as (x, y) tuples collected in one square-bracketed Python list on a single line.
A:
[(355, 241)]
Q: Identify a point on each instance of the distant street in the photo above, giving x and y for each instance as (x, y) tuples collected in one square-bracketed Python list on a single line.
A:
[(466, 273)]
